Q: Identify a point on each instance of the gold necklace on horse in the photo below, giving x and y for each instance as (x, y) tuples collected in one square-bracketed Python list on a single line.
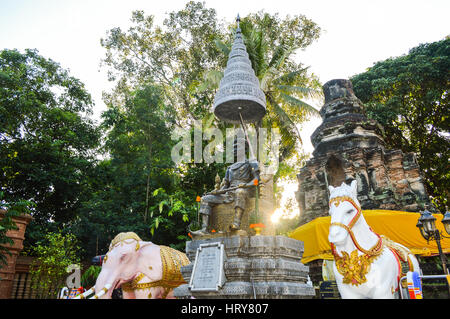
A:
[(354, 267)]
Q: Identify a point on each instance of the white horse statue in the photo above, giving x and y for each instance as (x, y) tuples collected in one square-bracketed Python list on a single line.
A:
[(366, 265)]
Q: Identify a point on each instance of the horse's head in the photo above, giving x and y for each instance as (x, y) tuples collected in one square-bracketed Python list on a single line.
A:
[(344, 210)]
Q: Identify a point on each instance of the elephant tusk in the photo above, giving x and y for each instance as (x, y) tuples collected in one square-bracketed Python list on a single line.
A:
[(85, 294), (103, 291)]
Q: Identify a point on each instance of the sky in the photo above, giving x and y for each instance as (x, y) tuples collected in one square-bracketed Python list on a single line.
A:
[(356, 33)]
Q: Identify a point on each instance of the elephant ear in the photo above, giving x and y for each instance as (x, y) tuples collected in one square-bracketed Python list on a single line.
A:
[(150, 261)]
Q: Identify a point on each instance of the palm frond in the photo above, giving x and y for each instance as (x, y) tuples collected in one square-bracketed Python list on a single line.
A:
[(278, 55), (308, 109), (222, 47), (289, 77), (273, 68), (256, 46), (267, 77), (303, 91), (288, 134), (211, 80), (282, 52), (286, 123)]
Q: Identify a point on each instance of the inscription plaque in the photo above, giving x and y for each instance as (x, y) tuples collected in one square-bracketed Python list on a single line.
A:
[(208, 273)]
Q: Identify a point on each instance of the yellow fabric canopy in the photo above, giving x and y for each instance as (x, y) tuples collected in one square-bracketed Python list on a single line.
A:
[(399, 226)]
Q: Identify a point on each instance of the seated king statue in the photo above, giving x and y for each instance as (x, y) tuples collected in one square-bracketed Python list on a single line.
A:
[(237, 186)]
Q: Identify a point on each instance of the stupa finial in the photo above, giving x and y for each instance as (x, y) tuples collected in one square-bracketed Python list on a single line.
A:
[(239, 98), (238, 20)]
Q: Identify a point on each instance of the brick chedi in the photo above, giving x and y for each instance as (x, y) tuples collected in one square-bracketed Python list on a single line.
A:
[(348, 145)]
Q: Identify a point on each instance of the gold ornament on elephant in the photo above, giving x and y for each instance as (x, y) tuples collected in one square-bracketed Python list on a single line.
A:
[(172, 260), (121, 239)]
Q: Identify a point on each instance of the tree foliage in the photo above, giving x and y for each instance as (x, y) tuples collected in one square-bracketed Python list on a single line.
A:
[(55, 252), (166, 77), (47, 140), (174, 55), (136, 186), (89, 277), (189, 52), (409, 96)]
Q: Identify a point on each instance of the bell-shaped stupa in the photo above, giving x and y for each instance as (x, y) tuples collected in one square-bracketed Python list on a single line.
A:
[(239, 96)]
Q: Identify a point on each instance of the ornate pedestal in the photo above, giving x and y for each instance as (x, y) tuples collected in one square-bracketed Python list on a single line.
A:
[(223, 214), (256, 267)]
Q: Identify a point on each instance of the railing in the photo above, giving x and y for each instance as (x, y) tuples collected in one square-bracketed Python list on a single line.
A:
[(421, 277)]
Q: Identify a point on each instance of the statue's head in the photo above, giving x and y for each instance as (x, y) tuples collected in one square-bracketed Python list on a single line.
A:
[(240, 149)]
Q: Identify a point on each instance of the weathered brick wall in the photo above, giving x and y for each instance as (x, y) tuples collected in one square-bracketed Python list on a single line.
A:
[(7, 272), (349, 146)]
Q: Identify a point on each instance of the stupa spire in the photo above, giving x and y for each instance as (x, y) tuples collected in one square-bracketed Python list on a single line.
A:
[(239, 98)]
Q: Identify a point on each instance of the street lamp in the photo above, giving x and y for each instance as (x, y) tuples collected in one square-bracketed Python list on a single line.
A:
[(446, 222), (429, 231), (427, 225)]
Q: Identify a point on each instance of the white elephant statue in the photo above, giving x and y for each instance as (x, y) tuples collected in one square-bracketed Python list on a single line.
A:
[(142, 269)]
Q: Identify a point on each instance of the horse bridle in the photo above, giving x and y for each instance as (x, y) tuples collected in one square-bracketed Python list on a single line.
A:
[(376, 249)]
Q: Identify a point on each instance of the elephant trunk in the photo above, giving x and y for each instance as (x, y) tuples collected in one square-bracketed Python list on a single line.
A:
[(104, 285), (105, 291)]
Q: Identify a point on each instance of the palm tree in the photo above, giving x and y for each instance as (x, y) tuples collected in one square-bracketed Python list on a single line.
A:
[(271, 45)]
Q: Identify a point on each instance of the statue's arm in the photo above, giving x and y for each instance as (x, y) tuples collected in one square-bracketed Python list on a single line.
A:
[(255, 175), (255, 172), (226, 180)]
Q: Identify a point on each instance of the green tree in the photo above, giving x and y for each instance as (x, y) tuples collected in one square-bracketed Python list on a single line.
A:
[(187, 54), (47, 140), (139, 134), (55, 252), (409, 96), (174, 55), (136, 187), (89, 277)]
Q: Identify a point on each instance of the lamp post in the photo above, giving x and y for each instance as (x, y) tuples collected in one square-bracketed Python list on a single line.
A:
[(428, 230)]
